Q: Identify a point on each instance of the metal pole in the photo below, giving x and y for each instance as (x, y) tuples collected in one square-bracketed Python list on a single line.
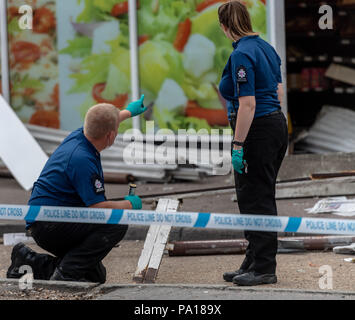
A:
[(277, 37), (133, 40), (5, 75)]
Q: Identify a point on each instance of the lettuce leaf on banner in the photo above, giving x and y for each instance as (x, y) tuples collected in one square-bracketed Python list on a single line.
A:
[(97, 10), (158, 61), (163, 17), (78, 48)]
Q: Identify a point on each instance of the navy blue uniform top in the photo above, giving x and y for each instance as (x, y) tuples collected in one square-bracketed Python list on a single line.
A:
[(72, 177), (253, 69)]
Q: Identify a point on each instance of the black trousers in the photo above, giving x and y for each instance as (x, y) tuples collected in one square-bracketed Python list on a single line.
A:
[(264, 151), (78, 249)]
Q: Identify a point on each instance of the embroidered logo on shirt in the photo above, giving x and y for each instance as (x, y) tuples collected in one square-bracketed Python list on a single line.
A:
[(242, 75), (98, 184)]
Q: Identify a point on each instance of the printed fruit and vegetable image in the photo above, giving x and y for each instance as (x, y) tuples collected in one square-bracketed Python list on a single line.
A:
[(182, 54), (33, 58)]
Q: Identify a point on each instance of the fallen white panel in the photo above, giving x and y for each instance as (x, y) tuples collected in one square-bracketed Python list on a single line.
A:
[(11, 239), (18, 149), (333, 131)]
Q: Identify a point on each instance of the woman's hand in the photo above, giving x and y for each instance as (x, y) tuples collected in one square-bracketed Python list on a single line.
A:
[(237, 159)]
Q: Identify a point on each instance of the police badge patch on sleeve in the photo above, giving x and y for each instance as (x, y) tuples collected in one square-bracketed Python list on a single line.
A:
[(242, 75), (98, 184)]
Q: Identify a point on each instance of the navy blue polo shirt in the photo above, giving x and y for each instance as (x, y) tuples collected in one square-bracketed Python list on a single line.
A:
[(72, 177), (253, 69)]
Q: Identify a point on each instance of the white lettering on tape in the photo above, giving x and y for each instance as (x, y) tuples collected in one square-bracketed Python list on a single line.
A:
[(186, 219)]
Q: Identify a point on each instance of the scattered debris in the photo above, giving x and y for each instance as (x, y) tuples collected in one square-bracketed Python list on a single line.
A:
[(333, 131), (13, 293), (212, 247), (319, 176), (338, 205), (285, 245), (345, 249), (332, 187), (313, 265), (165, 161)]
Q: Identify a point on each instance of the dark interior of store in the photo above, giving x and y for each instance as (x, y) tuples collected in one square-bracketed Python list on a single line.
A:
[(310, 52)]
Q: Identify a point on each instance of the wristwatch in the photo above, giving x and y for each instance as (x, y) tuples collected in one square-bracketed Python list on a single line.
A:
[(238, 143)]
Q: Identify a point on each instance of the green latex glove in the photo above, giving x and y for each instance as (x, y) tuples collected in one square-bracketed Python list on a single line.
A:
[(135, 201), (237, 160), (137, 107)]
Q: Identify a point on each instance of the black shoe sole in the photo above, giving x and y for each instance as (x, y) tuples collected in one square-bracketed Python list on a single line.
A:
[(256, 282)]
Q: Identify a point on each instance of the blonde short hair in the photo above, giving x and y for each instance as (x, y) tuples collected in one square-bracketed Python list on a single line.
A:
[(100, 120)]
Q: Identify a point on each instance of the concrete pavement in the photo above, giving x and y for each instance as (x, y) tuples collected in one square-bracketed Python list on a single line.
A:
[(155, 292), (218, 293)]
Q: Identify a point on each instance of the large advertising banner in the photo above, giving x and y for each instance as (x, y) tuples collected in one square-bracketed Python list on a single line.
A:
[(33, 62), (78, 55), (94, 57), (182, 54)]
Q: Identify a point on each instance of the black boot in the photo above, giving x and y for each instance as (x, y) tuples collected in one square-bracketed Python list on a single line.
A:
[(59, 275), (228, 276), (42, 265), (18, 259), (97, 274), (246, 266)]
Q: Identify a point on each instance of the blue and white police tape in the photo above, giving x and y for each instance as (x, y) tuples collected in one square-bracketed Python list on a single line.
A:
[(178, 219)]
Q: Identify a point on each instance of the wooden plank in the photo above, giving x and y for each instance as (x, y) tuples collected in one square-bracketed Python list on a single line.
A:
[(302, 166), (149, 245), (316, 188), (159, 246), (157, 254), (319, 176)]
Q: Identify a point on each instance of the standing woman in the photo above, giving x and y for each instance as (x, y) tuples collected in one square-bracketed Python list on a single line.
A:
[(252, 85)]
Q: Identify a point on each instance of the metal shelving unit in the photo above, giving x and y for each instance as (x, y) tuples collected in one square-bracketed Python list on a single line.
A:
[(310, 48)]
